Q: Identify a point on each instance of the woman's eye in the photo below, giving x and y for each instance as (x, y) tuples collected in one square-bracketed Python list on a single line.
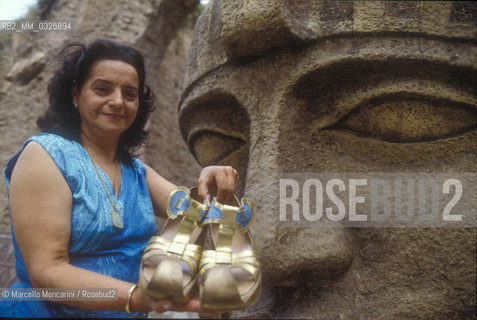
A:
[(130, 95), (409, 120), (101, 90), (210, 147)]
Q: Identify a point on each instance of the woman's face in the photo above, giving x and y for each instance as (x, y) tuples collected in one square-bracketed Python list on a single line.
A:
[(108, 100)]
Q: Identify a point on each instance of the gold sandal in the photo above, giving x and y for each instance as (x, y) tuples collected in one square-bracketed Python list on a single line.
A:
[(229, 276), (169, 263)]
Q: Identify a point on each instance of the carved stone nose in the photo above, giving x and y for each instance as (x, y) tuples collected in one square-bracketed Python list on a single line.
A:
[(287, 251)]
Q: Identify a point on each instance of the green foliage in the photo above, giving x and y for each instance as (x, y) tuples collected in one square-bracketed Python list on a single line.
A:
[(5, 48), (191, 19), (33, 13), (179, 44), (5, 39), (43, 6), (44, 3)]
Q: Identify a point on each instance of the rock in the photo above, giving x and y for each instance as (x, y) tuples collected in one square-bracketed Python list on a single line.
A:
[(149, 26), (276, 87), (28, 68)]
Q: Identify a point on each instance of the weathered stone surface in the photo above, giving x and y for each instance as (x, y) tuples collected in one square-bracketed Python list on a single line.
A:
[(7, 262), (301, 86), (25, 69), (153, 27), (340, 86)]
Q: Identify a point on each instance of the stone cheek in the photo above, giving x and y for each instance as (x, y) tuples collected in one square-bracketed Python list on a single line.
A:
[(375, 87)]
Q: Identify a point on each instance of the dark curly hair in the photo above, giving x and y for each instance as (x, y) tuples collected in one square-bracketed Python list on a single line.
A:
[(77, 61)]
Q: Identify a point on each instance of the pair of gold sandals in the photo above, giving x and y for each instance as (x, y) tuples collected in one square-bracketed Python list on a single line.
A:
[(228, 276)]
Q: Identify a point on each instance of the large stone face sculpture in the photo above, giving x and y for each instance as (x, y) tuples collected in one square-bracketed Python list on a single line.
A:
[(339, 86)]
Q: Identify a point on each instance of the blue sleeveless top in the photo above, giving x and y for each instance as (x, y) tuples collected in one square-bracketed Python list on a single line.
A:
[(95, 243)]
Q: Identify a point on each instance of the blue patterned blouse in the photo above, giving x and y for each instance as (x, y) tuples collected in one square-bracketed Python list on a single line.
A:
[(95, 243)]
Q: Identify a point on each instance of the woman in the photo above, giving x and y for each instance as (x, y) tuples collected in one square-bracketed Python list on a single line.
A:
[(82, 206)]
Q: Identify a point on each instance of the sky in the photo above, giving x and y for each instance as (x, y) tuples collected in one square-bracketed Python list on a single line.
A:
[(14, 9)]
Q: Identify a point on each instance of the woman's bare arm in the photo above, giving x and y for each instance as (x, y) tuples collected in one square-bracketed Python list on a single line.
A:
[(159, 189)]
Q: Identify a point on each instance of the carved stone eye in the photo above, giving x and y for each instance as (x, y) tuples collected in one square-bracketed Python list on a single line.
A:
[(407, 120), (422, 101), (214, 126), (211, 147)]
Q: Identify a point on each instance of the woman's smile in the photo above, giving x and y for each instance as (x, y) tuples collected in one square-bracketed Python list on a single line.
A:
[(114, 116)]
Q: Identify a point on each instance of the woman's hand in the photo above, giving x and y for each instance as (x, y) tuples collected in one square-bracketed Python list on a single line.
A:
[(218, 180), (214, 180), (141, 302)]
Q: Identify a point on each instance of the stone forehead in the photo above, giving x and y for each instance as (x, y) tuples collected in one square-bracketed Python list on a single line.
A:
[(230, 31)]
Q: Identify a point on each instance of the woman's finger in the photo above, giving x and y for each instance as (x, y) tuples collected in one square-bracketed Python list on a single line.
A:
[(203, 185), (225, 185), (192, 305), (218, 180)]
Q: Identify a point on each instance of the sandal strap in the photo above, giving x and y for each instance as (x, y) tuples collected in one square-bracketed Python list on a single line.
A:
[(180, 203), (247, 260), (230, 215), (190, 253)]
